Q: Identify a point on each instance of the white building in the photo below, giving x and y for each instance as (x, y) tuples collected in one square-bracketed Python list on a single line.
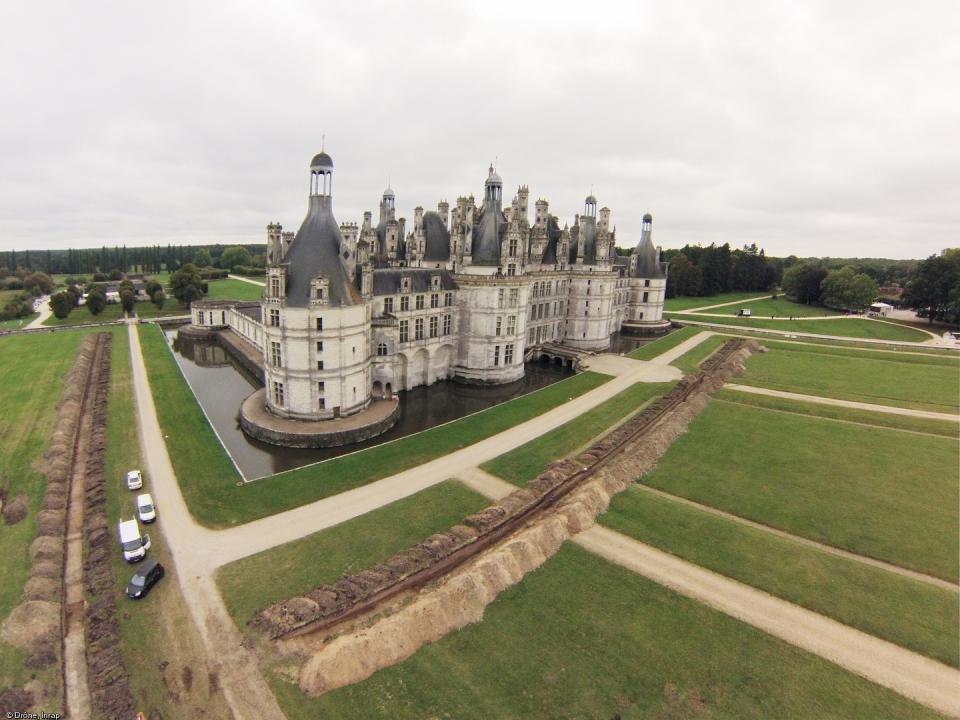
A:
[(353, 313)]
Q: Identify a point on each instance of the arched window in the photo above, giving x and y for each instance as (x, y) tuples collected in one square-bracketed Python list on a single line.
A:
[(382, 349)]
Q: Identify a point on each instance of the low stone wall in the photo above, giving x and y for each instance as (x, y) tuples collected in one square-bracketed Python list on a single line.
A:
[(248, 356)]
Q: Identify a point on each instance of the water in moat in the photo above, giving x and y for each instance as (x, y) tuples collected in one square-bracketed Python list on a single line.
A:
[(220, 385)]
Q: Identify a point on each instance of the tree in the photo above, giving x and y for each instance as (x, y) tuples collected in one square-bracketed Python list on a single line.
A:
[(96, 300), (846, 289), (933, 290), (115, 275), (151, 287), (127, 300), (802, 282), (38, 283), (186, 284), (684, 278), (61, 303), (235, 256), (158, 298), (74, 292), (201, 258)]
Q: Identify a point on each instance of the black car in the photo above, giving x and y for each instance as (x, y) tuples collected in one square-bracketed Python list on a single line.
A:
[(144, 578)]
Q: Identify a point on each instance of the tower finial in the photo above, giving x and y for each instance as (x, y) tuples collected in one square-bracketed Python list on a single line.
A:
[(323, 139)]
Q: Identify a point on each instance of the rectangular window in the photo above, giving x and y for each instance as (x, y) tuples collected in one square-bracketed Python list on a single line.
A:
[(275, 354), (319, 364), (419, 302), (434, 326), (511, 324), (388, 305), (530, 336), (322, 404), (447, 323), (319, 346), (499, 324), (645, 296), (319, 293), (448, 299), (514, 296), (404, 303), (321, 386), (319, 324), (508, 355), (418, 329), (646, 283), (274, 317), (496, 355), (500, 297), (435, 300), (200, 316), (274, 286), (404, 330), (278, 394)]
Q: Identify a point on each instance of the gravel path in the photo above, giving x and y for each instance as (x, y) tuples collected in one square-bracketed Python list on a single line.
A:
[(246, 280), (889, 409), (724, 304), (907, 673), (42, 305)]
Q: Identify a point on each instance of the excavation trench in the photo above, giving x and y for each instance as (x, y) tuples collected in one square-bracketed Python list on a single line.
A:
[(347, 631)]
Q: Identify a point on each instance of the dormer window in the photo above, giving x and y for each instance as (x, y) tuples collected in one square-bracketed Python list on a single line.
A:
[(319, 291), (319, 295), (405, 284), (435, 282)]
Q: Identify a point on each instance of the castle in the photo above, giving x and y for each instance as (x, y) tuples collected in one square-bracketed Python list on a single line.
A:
[(354, 313)]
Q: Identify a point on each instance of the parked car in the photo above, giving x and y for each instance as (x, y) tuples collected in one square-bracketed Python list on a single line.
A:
[(133, 545), (146, 576), (134, 480), (744, 312), (146, 509)]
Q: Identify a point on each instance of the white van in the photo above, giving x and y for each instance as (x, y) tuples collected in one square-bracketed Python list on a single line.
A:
[(133, 546), (146, 508)]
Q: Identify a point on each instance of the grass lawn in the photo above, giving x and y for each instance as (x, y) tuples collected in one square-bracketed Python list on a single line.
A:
[(582, 638), (252, 583), (874, 491), (781, 307), (668, 342), (230, 289), (114, 311), (851, 344), (853, 328), (869, 351), (33, 368), (17, 323), (909, 613), (690, 303), (690, 361), (208, 479), (882, 379), (526, 462)]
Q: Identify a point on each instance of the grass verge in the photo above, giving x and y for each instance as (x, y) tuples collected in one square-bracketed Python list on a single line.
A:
[(904, 611), (526, 462), (690, 303), (690, 361), (252, 583), (208, 479), (781, 307), (658, 347), (873, 491), (582, 638)]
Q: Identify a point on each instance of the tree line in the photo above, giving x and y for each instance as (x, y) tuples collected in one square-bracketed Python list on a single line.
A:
[(701, 271), (245, 259)]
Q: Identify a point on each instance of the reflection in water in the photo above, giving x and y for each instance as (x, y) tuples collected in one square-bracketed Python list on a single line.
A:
[(221, 385)]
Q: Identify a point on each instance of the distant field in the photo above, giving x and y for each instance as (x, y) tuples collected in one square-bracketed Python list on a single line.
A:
[(877, 492), (523, 464), (912, 614), (230, 289), (688, 303), (668, 342), (781, 307), (208, 478), (252, 583), (930, 384), (853, 328), (582, 638)]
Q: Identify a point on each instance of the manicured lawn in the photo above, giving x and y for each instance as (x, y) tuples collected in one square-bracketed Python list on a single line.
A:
[(781, 307), (895, 354), (582, 638), (526, 462), (913, 614), (252, 583), (208, 479), (854, 328), (878, 378), (658, 347), (690, 303), (33, 368), (851, 344), (874, 491), (830, 412), (230, 289), (690, 361), (17, 323), (114, 311)]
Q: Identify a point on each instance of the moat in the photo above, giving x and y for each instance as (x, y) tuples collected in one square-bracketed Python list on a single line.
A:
[(220, 385)]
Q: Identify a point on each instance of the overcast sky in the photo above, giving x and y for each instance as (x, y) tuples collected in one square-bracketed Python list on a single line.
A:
[(812, 128)]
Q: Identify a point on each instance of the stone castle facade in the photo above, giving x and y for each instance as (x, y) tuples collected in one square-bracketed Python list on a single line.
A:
[(353, 313)]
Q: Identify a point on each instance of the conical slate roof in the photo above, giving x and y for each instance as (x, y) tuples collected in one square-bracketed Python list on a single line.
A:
[(316, 251)]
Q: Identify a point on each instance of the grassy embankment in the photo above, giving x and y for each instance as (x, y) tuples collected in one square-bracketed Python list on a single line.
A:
[(208, 479), (667, 342), (904, 611), (33, 368), (911, 381), (252, 583), (874, 491), (157, 630), (582, 638), (852, 328), (523, 464)]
